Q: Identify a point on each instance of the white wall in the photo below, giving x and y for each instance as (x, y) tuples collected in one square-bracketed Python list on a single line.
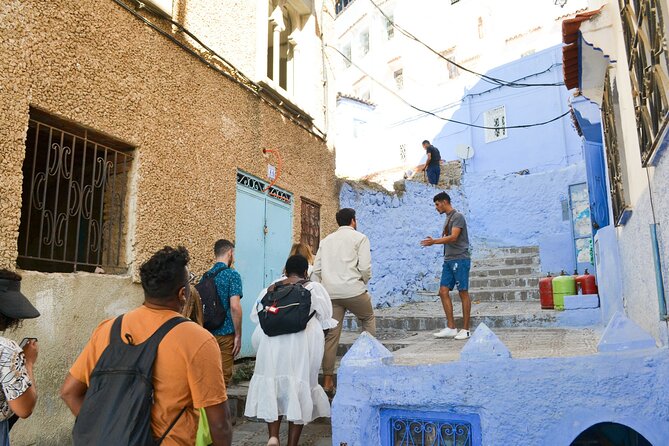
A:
[(639, 288)]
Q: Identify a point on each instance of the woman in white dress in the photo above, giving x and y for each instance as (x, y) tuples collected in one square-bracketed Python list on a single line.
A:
[(285, 379)]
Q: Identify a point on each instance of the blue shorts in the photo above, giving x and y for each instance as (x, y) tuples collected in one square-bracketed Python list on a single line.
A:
[(433, 173), (456, 273)]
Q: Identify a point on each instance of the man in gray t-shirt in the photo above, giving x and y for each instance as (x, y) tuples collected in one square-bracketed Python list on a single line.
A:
[(455, 271)]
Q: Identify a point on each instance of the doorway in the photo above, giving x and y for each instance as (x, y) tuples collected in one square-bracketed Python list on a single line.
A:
[(610, 434), (263, 237)]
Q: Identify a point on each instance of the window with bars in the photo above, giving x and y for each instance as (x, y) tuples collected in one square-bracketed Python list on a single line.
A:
[(364, 42), (399, 78), (643, 23), (390, 28), (311, 224), (614, 162), (346, 49), (422, 428), (496, 120), (453, 70), (73, 214), (340, 5)]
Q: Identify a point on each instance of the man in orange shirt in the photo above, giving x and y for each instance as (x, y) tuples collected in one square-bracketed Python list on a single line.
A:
[(187, 371)]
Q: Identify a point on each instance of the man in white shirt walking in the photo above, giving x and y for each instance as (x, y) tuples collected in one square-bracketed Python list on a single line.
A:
[(344, 266)]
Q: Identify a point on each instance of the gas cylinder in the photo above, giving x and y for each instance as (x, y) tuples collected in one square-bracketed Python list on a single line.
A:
[(563, 285), (546, 292), (587, 283)]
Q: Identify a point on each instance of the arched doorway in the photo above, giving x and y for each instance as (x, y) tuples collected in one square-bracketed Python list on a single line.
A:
[(610, 434)]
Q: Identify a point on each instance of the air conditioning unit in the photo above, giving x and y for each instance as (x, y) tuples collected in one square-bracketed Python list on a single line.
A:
[(160, 6)]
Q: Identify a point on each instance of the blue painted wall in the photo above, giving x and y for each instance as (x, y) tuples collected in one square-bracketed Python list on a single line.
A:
[(502, 208), (512, 210), (538, 149), (546, 402)]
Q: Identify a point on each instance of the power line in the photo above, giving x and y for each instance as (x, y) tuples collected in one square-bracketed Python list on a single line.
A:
[(480, 93), (491, 79), (391, 91)]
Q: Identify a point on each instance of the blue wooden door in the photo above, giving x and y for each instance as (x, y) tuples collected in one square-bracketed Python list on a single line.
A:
[(278, 239), (263, 237)]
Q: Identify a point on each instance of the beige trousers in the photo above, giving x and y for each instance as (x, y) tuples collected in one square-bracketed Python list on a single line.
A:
[(226, 343), (361, 307)]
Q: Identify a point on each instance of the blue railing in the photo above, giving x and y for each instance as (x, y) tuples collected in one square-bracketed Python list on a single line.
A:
[(418, 428)]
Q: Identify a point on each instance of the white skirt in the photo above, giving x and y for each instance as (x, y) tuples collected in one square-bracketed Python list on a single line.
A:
[(285, 379)]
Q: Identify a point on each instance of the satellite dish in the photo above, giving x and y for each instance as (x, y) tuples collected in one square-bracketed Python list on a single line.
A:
[(463, 151)]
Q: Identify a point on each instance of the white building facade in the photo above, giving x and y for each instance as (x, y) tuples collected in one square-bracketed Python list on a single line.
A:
[(386, 69)]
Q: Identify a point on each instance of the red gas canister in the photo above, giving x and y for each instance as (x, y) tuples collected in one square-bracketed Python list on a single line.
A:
[(587, 283), (546, 292)]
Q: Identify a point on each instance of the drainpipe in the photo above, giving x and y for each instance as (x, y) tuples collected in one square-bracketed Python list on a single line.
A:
[(657, 262), (658, 272)]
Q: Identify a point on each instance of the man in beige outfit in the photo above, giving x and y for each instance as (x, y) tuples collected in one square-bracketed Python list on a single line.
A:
[(344, 266)]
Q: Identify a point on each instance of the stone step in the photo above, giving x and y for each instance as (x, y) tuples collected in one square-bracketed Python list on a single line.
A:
[(429, 316), (479, 283), (510, 294), (506, 261), (516, 271), (509, 250), (524, 338)]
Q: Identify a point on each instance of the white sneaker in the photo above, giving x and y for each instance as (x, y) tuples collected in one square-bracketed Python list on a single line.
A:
[(462, 334), (446, 333)]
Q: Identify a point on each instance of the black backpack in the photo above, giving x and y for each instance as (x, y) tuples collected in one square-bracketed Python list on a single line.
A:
[(117, 405), (213, 310), (285, 308)]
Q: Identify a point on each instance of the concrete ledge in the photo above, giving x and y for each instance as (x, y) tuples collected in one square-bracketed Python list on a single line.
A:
[(580, 301)]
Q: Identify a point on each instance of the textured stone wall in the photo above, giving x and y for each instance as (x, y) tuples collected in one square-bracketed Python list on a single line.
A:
[(95, 64), (395, 225), (71, 306)]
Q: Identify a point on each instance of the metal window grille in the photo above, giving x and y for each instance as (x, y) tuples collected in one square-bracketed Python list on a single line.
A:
[(613, 154), (409, 428), (340, 5), (495, 118), (311, 224), (74, 199), (643, 30), (263, 187), (403, 152)]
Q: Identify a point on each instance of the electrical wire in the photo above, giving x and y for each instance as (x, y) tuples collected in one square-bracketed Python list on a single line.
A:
[(427, 112), (490, 79), (472, 95)]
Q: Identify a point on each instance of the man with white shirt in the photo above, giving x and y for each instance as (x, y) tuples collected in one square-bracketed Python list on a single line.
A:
[(344, 266)]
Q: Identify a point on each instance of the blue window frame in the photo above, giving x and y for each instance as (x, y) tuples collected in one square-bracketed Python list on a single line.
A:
[(425, 428)]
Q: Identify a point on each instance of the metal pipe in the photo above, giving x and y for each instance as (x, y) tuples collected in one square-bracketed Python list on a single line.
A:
[(658, 271)]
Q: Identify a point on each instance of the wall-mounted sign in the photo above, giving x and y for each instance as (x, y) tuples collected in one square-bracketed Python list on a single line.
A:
[(271, 172)]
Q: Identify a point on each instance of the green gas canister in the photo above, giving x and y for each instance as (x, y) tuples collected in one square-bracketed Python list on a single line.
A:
[(563, 285)]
